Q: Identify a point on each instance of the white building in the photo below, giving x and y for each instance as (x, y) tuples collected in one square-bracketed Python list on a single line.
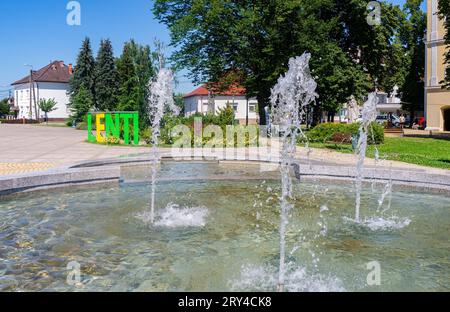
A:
[(49, 82), (389, 104), (201, 100)]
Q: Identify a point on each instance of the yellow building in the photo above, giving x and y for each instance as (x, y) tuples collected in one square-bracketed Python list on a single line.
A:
[(437, 100)]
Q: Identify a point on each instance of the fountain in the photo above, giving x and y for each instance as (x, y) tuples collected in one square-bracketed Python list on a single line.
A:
[(207, 233), (293, 93), (160, 99), (369, 115), (377, 222)]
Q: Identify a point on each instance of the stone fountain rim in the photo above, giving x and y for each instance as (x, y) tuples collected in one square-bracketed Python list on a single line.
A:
[(108, 171)]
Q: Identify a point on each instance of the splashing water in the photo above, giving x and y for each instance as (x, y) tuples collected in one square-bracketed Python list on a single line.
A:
[(297, 279), (160, 99), (369, 115), (290, 97), (387, 193), (174, 216), (381, 224)]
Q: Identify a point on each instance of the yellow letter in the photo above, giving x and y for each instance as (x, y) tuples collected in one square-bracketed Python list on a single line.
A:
[(100, 127)]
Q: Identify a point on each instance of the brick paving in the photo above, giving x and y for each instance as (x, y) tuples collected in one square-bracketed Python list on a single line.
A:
[(17, 168), (30, 148)]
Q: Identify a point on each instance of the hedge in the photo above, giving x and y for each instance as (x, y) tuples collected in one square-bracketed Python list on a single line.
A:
[(326, 132)]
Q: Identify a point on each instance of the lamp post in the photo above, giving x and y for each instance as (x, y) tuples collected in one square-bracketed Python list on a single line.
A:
[(32, 94)]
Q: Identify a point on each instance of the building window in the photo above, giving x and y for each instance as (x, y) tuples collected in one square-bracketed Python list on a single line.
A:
[(235, 107), (252, 107), (205, 107)]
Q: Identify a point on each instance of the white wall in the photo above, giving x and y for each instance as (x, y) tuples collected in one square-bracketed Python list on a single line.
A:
[(190, 106), (194, 104), (43, 90)]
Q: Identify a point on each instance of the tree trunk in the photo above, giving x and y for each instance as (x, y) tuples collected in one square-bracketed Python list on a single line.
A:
[(263, 102), (411, 116), (316, 115)]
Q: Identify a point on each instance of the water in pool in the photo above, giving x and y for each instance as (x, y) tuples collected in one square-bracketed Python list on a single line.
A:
[(221, 235)]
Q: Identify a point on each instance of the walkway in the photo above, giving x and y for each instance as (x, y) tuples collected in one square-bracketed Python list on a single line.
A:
[(28, 148)]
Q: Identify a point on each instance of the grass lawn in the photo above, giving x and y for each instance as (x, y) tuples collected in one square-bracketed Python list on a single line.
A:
[(52, 124), (420, 151)]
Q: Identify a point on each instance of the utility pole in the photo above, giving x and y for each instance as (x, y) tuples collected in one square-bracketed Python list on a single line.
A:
[(32, 94), (36, 110), (31, 99)]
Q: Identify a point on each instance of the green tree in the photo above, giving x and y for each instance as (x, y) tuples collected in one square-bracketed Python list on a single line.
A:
[(4, 107), (412, 36), (83, 77), (179, 101), (256, 39), (81, 104), (130, 93), (143, 62), (47, 106), (106, 78), (444, 14), (135, 67)]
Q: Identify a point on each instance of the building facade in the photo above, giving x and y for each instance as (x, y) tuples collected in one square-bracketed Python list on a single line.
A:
[(203, 101), (50, 82), (437, 100)]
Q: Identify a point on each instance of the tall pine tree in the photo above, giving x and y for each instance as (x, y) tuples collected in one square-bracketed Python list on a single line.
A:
[(83, 77), (106, 78), (130, 95), (444, 14), (81, 104), (135, 69)]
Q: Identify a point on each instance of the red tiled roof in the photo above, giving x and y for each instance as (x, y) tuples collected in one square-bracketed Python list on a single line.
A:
[(56, 71), (231, 91)]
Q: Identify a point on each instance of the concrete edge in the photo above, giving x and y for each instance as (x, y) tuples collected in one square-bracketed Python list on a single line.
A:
[(109, 170), (57, 178)]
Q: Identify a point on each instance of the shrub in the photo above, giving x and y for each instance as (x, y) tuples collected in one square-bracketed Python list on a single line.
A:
[(327, 132), (225, 117), (81, 126), (343, 138), (376, 134), (146, 135)]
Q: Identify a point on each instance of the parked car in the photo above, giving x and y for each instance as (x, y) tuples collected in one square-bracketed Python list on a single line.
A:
[(385, 119)]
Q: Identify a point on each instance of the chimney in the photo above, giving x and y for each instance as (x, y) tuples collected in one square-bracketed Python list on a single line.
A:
[(70, 69)]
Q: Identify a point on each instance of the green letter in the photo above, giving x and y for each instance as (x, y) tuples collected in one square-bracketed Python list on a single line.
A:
[(136, 128), (91, 137), (112, 126), (126, 127)]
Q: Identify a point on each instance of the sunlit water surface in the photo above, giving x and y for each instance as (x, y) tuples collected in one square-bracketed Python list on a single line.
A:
[(221, 235)]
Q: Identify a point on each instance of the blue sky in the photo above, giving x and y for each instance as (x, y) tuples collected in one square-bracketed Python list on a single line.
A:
[(36, 32)]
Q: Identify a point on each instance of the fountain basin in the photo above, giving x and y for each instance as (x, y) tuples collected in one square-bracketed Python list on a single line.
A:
[(217, 230)]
